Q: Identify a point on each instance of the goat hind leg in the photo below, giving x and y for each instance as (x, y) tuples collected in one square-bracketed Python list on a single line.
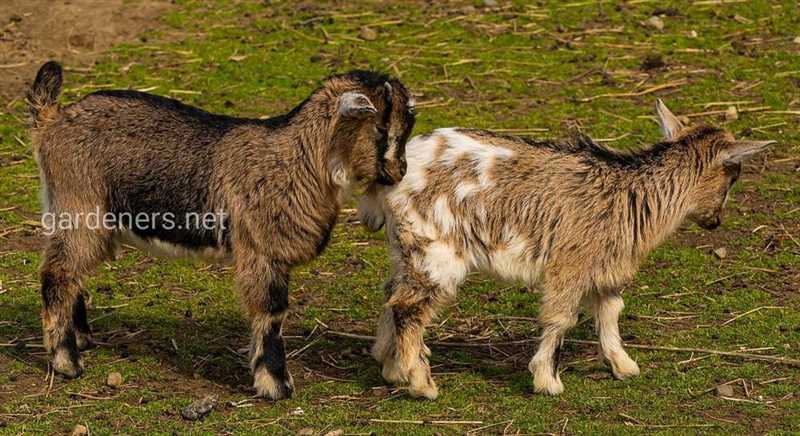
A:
[(66, 330)]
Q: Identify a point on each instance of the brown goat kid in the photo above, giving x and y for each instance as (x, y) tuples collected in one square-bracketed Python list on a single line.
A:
[(575, 218), (274, 186)]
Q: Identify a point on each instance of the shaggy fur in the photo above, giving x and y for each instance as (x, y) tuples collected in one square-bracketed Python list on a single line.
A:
[(277, 186), (576, 218)]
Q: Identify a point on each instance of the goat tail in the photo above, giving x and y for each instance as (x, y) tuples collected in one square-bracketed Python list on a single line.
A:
[(43, 95), (370, 208)]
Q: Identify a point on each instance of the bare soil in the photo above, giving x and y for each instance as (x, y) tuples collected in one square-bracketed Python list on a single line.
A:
[(74, 32)]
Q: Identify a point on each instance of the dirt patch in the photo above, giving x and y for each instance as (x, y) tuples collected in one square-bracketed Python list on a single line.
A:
[(73, 31)]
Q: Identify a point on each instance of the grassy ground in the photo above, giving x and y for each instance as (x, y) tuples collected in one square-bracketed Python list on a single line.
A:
[(172, 328)]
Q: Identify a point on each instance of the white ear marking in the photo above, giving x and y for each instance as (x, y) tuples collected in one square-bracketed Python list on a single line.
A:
[(355, 103), (339, 173), (743, 149), (669, 123)]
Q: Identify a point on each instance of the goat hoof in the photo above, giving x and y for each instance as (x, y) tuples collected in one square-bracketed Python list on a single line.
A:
[(548, 385), (544, 379), (624, 368), (271, 387), (427, 391), (67, 366)]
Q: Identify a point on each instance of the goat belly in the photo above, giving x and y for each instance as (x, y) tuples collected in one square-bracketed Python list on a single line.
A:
[(156, 246)]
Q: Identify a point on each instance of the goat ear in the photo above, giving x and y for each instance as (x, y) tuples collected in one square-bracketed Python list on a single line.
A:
[(355, 104), (743, 149), (388, 87), (669, 123)]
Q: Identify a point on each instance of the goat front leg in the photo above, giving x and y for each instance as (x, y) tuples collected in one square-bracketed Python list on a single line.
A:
[(83, 332), (558, 314), (606, 308), (266, 296), (399, 345)]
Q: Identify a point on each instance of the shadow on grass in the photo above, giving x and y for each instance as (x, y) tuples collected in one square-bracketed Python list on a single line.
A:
[(208, 348)]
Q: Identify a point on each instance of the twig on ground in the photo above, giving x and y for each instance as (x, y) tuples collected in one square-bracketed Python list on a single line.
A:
[(475, 430), (17, 65), (749, 312), (616, 138), (720, 112), (117, 306), (424, 421), (637, 93), (90, 397)]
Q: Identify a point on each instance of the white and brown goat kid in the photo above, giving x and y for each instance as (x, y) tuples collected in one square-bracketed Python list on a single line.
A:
[(276, 186), (575, 218)]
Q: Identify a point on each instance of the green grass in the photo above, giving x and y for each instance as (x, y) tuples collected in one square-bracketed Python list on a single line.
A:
[(514, 67)]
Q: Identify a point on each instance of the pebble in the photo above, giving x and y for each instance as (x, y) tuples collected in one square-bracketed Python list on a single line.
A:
[(490, 3), (80, 430), (731, 113), (655, 22), (725, 390), (796, 40), (721, 252), (335, 433), (306, 431), (199, 408), (114, 380), (368, 34)]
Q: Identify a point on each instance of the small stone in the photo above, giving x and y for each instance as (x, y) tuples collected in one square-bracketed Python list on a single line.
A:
[(297, 411), (335, 433), (199, 408), (731, 113), (721, 252), (308, 431), (796, 40), (655, 22), (725, 390), (80, 430), (114, 380), (368, 34), (490, 3), (693, 34)]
